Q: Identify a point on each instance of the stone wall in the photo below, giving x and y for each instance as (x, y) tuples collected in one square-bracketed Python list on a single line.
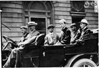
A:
[(62, 11), (12, 16)]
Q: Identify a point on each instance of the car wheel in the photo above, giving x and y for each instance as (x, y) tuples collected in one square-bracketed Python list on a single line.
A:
[(84, 63)]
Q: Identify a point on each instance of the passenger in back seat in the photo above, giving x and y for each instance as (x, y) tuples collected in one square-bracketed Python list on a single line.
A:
[(65, 34), (51, 38), (74, 33), (85, 33)]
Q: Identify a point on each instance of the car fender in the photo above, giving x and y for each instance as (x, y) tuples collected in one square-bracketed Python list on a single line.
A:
[(72, 60)]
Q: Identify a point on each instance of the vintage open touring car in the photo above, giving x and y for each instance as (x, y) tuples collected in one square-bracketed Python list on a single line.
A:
[(81, 55)]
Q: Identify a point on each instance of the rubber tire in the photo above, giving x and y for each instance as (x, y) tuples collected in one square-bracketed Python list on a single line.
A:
[(82, 61)]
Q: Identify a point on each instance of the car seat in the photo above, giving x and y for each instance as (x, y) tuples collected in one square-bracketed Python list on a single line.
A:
[(39, 41)]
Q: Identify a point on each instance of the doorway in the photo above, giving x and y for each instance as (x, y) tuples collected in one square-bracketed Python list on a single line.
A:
[(41, 27)]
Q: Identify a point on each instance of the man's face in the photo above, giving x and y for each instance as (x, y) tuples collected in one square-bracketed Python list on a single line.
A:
[(73, 28), (51, 29), (23, 30), (31, 28), (82, 25)]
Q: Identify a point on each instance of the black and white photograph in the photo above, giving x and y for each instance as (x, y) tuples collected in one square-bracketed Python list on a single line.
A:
[(49, 33)]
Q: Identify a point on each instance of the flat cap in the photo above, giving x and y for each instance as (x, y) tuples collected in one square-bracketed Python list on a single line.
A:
[(51, 26)]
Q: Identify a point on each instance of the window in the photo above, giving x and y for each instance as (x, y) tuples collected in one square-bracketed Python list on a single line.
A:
[(40, 12), (77, 6)]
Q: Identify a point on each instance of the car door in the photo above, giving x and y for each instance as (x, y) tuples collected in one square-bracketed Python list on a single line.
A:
[(31, 58), (52, 56)]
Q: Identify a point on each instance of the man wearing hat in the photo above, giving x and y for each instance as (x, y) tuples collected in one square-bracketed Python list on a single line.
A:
[(85, 32), (65, 34), (15, 58), (51, 38), (74, 33), (24, 30), (32, 30)]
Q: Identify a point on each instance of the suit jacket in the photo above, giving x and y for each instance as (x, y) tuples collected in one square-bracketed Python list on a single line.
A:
[(74, 36), (29, 36), (65, 37), (51, 39), (84, 35)]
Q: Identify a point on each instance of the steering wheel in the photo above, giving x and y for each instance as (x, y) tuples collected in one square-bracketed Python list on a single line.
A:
[(8, 40)]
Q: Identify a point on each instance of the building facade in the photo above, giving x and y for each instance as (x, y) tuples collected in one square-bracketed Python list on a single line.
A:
[(17, 13)]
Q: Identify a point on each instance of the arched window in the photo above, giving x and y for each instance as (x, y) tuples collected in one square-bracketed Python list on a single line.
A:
[(37, 6), (40, 12)]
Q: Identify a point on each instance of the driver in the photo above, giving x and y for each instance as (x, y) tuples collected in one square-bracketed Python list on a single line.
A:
[(15, 58), (24, 30)]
